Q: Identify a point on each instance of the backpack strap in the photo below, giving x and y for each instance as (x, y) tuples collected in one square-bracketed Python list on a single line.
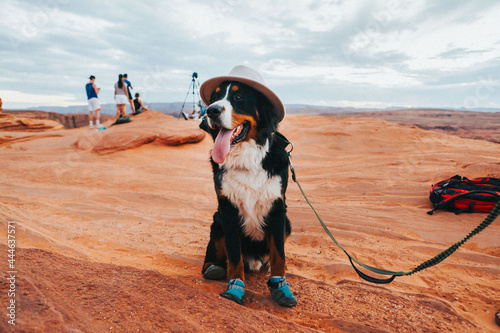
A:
[(466, 210)]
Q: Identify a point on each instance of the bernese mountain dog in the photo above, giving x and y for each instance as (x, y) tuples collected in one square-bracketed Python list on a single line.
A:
[(250, 171)]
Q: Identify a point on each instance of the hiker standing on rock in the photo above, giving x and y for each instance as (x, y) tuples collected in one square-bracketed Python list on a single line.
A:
[(129, 86), (121, 96), (94, 104)]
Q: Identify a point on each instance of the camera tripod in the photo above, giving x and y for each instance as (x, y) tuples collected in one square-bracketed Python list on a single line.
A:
[(194, 89)]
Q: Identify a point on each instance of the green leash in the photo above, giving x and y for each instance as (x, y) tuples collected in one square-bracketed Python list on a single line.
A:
[(429, 263)]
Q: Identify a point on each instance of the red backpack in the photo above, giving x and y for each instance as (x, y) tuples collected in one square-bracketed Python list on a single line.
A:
[(465, 195)]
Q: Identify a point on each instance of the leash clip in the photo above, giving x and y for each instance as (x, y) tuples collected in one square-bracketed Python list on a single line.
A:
[(289, 152), (291, 149)]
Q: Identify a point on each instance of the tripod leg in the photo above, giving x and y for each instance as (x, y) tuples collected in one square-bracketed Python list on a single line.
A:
[(191, 86)]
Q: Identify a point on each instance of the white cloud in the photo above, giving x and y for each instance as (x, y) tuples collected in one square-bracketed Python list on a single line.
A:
[(234, 24), (31, 22), (426, 40), (318, 16), (17, 99), (380, 76), (409, 51)]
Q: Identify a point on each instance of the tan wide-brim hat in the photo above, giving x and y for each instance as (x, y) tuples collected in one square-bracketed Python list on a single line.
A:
[(247, 76)]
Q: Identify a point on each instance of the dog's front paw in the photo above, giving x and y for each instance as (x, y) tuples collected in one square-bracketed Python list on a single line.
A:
[(235, 291), (280, 291)]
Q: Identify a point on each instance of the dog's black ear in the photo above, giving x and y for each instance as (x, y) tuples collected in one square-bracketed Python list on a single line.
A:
[(268, 120)]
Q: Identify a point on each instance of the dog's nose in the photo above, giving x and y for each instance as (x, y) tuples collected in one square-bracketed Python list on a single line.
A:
[(214, 111)]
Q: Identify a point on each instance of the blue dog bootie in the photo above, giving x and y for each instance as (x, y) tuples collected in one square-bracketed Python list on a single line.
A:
[(214, 272), (235, 291), (280, 291)]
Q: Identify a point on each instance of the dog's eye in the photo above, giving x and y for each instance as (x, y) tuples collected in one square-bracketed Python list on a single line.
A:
[(238, 97)]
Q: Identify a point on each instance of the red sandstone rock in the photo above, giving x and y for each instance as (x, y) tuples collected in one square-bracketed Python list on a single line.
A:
[(147, 127), (115, 242)]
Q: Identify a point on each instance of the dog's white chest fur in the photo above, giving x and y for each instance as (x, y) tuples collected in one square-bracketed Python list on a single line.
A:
[(248, 186)]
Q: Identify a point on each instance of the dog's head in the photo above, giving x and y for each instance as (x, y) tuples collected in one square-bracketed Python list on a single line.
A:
[(238, 113)]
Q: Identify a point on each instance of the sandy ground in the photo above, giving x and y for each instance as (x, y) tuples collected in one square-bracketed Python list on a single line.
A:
[(115, 242)]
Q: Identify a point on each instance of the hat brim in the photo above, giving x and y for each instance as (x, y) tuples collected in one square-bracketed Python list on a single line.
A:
[(209, 86)]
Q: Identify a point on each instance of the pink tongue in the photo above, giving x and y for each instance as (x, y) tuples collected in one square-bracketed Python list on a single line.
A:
[(222, 145)]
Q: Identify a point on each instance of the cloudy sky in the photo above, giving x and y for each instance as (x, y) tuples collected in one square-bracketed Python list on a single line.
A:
[(440, 53)]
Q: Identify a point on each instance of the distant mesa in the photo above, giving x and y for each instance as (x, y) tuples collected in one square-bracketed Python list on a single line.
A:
[(11, 123), (69, 121), (110, 108), (466, 124)]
